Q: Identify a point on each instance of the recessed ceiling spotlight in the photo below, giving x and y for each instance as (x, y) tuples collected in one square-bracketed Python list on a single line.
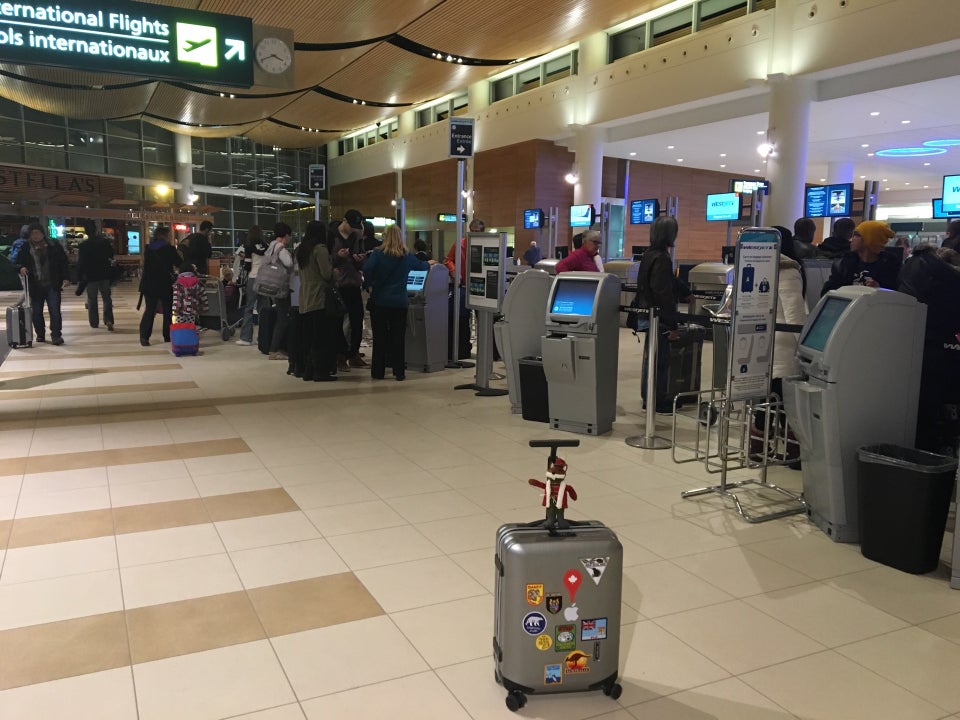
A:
[(670, 147), (874, 113), (926, 187), (863, 177), (926, 164), (761, 132), (633, 154), (723, 154), (679, 159), (823, 179), (884, 180), (723, 165), (869, 154), (865, 145), (906, 183), (757, 170), (904, 122)]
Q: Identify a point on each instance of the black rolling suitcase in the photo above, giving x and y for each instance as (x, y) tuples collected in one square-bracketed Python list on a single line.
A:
[(685, 356), (557, 599), (19, 321)]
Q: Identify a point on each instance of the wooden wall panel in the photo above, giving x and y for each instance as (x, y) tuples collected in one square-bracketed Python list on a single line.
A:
[(371, 196)]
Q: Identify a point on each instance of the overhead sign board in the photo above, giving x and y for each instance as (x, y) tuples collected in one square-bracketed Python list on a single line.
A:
[(461, 137), (131, 38), (318, 177)]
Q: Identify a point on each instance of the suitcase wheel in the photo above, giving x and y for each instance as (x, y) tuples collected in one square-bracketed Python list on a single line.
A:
[(226, 333), (613, 691), (516, 700)]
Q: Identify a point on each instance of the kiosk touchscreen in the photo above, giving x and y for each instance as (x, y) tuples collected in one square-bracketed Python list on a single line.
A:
[(580, 345), (856, 340), (425, 341)]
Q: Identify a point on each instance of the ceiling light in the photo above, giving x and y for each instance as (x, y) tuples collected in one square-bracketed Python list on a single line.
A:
[(925, 187), (904, 122), (863, 177), (757, 170), (571, 178), (723, 166), (761, 132), (911, 152), (823, 179), (926, 164), (633, 154), (950, 142), (884, 180), (723, 154), (865, 145), (765, 149), (874, 113), (670, 147), (679, 159), (869, 154), (906, 183)]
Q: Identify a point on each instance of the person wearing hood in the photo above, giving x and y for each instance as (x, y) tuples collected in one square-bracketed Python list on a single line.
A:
[(189, 295), (45, 264), (156, 282), (839, 243), (866, 263)]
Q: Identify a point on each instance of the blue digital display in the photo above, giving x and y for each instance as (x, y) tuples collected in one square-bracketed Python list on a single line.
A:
[(573, 297), (581, 215), (951, 193), (723, 206), (828, 200), (939, 213), (644, 212), (818, 334), (532, 219)]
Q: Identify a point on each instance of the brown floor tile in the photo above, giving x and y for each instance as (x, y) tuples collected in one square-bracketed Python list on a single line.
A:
[(159, 516), (209, 448), (13, 466), (48, 529), (41, 653), (49, 392), (5, 527), (315, 603), (55, 374), (249, 504), (189, 626), (122, 456)]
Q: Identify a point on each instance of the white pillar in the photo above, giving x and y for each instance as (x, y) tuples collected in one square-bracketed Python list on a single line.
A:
[(588, 147), (593, 53), (407, 123), (478, 97), (183, 156), (788, 132)]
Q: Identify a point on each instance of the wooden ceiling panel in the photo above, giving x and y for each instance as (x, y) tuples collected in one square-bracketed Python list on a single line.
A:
[(190, 107), (273, 134), (316, 67), (211, 132), (318, 111)]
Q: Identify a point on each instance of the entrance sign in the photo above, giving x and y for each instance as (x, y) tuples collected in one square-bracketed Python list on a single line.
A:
[(131, 38), (752, 326), (318, 177), (461, 137)]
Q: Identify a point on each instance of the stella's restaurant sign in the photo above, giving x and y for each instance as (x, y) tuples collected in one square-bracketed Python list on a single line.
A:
[(27, 181)]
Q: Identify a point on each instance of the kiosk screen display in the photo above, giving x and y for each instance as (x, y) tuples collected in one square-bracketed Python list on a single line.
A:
[(581, 215), (951, 193), (644, 212), (939, 213), (415, 280), (723, 207), (573, 297), (533, 219), (819, 332)]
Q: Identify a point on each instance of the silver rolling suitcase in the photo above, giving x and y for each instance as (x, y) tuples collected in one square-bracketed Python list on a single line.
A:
[(557, 597), (19, 320)]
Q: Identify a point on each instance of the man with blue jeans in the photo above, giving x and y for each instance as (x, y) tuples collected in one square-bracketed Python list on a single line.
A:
[(44, 263), (96, 269)]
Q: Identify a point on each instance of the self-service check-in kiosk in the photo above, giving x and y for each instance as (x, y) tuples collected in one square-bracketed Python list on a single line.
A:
[(579, 349), (861, 349), (426, 337), (520, 331)]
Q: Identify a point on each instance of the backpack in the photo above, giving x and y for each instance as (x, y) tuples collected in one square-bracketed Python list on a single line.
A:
[(273, 279)]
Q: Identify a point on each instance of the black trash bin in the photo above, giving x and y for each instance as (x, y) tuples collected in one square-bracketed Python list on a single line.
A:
[(903, 496), (534, 397)]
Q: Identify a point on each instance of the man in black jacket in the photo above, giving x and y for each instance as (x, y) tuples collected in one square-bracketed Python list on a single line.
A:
[(44, 263), (95, 260), (196, 248), (839, 243)]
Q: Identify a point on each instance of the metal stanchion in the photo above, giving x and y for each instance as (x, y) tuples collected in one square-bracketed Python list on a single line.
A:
[(649, 440)]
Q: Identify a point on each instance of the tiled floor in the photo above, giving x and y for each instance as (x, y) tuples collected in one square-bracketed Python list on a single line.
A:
[(210, 538)]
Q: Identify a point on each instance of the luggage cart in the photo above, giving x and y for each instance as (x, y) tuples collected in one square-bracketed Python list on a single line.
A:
[(218, 316)]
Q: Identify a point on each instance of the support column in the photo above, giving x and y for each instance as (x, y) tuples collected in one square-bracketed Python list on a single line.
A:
[(478, 97), (588, 147), (788, 132), (183, 157)]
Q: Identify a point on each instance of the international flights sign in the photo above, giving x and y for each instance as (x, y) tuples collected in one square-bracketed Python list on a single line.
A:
[(132, 38)]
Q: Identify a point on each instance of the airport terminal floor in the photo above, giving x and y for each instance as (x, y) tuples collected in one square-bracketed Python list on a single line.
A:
[(207, 537)]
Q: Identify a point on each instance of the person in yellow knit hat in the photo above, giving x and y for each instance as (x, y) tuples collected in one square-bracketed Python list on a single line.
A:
[(866, 263)]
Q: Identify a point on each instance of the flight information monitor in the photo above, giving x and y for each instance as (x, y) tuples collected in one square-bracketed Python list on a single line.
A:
[(723, 207), (644, 212), (828, 201), (951, 193), (581, 215)]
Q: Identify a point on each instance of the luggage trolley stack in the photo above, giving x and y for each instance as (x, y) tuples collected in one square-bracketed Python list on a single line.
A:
[(557, 598), (217, 315)]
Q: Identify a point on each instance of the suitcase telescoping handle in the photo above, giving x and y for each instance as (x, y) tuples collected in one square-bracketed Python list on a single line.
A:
[(553, 445), (26, 289), (555, 485)]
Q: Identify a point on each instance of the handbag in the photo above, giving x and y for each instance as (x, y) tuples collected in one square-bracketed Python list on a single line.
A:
[(273, 279), (334, 306)]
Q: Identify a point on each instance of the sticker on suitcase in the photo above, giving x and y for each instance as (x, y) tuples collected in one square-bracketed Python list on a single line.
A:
[(566, 638), (552, 674), (572, 579), (554, 604), (595, 567), (593, 629), (534, 594), (534, 623), (576, 663), (544, 642)]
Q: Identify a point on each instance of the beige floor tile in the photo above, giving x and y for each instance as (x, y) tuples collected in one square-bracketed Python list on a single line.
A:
[(283, 712), (189, 626), (235, 482), (55, 560), (286, 562), (312, 474), (814, 554), (175, 580), (175, 543), (947, 627), (471, 617), (251, 532), (106, 695), (725, 700), (718, 633), (334, 493), (741, 572), (355, 517), (42, 483), (915, 659), (63, 502), (673, 537), (828, 686), (315, 603), (431, 506), (63, 649), (153, 491), (351, 644), (459, 535), (219, 464), (212, 684), (617, 509), (145, 472), (421, 696), (662, 588), (913, 598), (503, 496), (400, 484), (249, 504), (479, 565), (62, 598), (420, 583), (375, 548), (825, 614)]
